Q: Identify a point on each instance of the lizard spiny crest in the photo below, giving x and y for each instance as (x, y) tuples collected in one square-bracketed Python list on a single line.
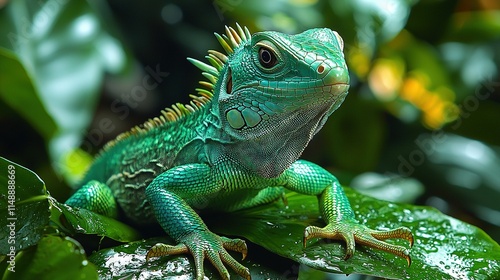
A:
[(229, 41)]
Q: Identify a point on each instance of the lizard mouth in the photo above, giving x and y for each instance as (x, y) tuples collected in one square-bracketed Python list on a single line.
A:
[(337, 88)]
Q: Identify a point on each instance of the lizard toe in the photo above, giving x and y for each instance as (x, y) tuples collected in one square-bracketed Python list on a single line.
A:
[(161, 249), (236, 245)]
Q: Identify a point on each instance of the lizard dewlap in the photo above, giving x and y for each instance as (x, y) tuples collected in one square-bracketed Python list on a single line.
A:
[(235, 145)]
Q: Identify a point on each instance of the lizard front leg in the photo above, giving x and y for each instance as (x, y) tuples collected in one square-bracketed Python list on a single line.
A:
[(167, 195), (96, 197), (308, 178)]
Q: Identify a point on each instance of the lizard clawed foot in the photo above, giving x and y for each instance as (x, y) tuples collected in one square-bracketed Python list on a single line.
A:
[(206, 244), (353, 232)]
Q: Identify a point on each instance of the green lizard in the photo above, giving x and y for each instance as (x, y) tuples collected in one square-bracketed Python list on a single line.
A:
[(236, 145)]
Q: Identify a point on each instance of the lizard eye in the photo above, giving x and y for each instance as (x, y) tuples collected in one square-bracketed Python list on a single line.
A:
[(267, 58)]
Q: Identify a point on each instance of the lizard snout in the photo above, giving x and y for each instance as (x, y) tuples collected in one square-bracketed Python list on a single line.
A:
[(333, 75)]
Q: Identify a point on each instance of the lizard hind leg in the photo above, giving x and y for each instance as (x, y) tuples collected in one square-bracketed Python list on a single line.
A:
[(96, 197)]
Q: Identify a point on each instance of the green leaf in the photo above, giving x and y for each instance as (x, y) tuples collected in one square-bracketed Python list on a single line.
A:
[(87, 222), (29, 212), (53, 258), (24, 207), (129, 261), (33, 208), (17, 90), (444, 247)]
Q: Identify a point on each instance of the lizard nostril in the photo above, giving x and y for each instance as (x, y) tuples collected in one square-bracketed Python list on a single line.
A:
[(320, 69)]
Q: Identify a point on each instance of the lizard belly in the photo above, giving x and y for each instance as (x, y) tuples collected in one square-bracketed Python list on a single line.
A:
[(237, 199)]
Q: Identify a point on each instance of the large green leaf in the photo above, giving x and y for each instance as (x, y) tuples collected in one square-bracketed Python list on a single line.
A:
[(444, 247)]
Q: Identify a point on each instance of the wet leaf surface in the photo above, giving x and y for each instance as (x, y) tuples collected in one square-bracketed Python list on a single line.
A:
[(444, 247), (129, 261)]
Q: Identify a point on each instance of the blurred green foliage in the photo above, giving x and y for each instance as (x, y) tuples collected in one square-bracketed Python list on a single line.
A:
[(424, 102)]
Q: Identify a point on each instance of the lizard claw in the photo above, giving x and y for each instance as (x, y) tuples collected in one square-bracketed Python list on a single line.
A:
[(208, 245), (352, 232)]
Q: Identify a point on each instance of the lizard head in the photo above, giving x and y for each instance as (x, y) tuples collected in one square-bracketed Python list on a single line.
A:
[(275, 91), (275, 77)]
